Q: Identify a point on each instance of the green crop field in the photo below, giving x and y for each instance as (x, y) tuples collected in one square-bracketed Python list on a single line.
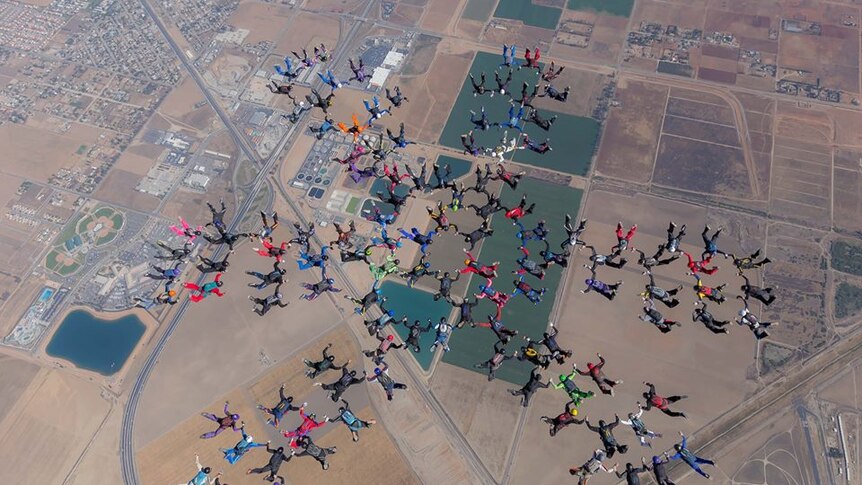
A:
[(474, 345), (573, 138), (529, 13), (619, 8)]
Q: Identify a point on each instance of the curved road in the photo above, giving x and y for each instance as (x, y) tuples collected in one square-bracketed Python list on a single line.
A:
[(127, 452)]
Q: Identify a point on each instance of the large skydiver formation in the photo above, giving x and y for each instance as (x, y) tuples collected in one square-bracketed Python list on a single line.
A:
[(540, 352)]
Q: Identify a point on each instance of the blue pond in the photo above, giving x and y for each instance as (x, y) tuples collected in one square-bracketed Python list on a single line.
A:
[(95, 344)]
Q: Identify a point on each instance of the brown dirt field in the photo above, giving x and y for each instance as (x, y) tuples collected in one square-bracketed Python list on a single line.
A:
[(264, 21), (631, 136), (687, 14), (308, 29), (698, 130), (17, 376), (191, 373), (147, 150), (727, 167), (57, 412), (119, 188), (100, 463), (439, 14), (469, 29), (519, 34), (634, 351), (696, 96), (700, 111), (742, 21), (338, 6), (406, 15), (478, 407), (133, 163), (37, 154), (422, 56), (182, 99)]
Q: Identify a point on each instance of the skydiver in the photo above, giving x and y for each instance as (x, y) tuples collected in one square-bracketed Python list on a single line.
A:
[(421, 181), (356, 255), (748, 262), (477, 235), (465, 311), (322, 54), (385, 241), (232, 455), (314, 451), (550, 74), (751, 321), (184, 229), (711, 294), (492, 206), (763, 295), (533, 61), (509, 59), (600, 287), (478, 89), (498, 298), (423, 240), (472, 265), (640, 428), (209, 266), (543, 123), (442, 333), (606, 434), (514, 120), (358, 175), (652, 315), (381, 151), (353, 423), (573, 234), (539, 148), (527, 265), (386, 343), (368, 300), (348, 378), (538, 233), (695, 267), (217, 216), (510, 178), (524, 288), (530, 354), (266, 232), (563, 419), (659, 471), (227, 421), (651, 290), (650, 262), (323, 365), (178, 254), (284, 405), (167, 297), (567, 383), (701, 314), (322, 286), (597, 259), (443, 175), (307, 261), (692, 460), (342, 239), (358, 71), (549, 340), (397, 98), (397, 201), (303, 236), (496, 361), (422, 268), (481, 123), (550, 258), (309, 423), (551, 92), (374, 110), (315, 100), (530, 388), (225, 237), (288, 71), (381, 375), (673, 240), (503, 334), (595, 371), (270, 250), (381, 271), (482, 178), (661, 403), (458, 194), (356, 129), (169, 274), (306, 61), (415, 330), (330, 80), (298, 109), (623, 238), (591, 467), (519, 211), (710, 244), (502, 85), (631, 473), (275, 460), (267, 303), (200, 477), (527, 97), (440, 218), (400, 141), (198, 293)]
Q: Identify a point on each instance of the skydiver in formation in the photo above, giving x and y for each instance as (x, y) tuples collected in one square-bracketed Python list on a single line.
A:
[(227, 421), (509, 59), (174, 254), (376, 325), (314, 451), (763, 295), (167, 297), (701, 314), (232, 455), (692, 460), (323, 365), (284, 405), (538, 233), (695, 267), (478, 88), (606, 434), (480, 123), (275, 460), (375, 110), (348, 378), (527, 97), (600, 287), (514, 119), (169, 274), (268, 227), (640, 428), (198, 293), (440, 218), (526, 265), (549, 340), (309, 423), (496, 361), (563, 419), (303, 236), (549, 258), (415, 331), (540, 148), (225, 237), (477, 235), (751, 321), (306, 60), (472, 265), (591, 467), (748, 262), (533, 60), (322, 286), (487, 210), (502, 84), (442, 333), (296, 112), (595, 372), (307, 261), (573, 234), (532, 355), (217, 216), (652, 291), (661, 403), (207, 265), (710, 293), (423, 240), (597, 259), (503, 334), (381, 375), (422, 268), (267, 303), (659, 470), (530, 388), (315, 100), (543, 123), (400, 141), (524, 288), (330, 80), (710, 244), (386, 343), (521, 210), (443, 174), (343, 238), (353, 423), (550, 73), (358, 71), (623, 238), (465, 311), (421, 181), (509, 178), (200, 477), (567, 383), (396, 99), (650, 262), (185, 229), (652, 315), (673, 240), (551, 92), (631, 472)]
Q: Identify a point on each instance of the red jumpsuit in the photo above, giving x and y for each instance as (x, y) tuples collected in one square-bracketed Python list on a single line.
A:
[(271, 251), (474, 266), (304, 429), (700, 266)]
